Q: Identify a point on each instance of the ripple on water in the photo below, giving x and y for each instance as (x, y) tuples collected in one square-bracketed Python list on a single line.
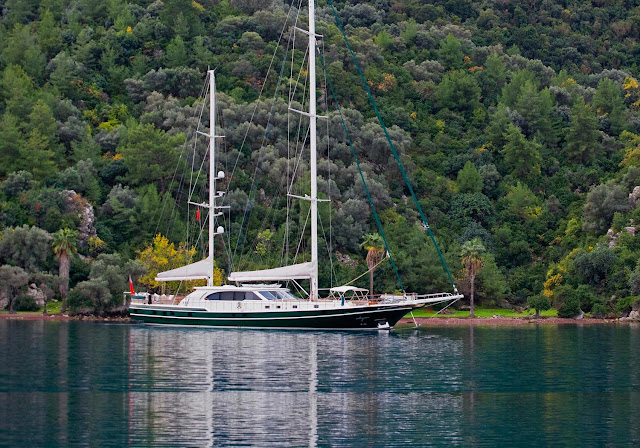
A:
[(92, 384)]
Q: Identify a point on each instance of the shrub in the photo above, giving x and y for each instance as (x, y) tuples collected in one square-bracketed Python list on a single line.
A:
[(599, 310), (625, 304), (25, 302), (570, 307), (586, 296), (91, 296), (539, 302)]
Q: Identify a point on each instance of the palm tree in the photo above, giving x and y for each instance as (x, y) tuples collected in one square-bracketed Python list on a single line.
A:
[(374, 246), (472, 253), (64, 246)]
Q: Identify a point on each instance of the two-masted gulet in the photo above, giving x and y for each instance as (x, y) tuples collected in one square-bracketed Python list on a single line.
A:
[(268, 304)]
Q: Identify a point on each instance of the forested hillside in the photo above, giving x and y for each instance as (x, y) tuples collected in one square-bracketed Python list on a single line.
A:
[(518, 122)]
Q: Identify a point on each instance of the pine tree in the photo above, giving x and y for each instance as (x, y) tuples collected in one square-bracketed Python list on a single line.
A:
[(522, 156), (450, 53), (583, 139), (469, 179), (10, 143), (177, 53)]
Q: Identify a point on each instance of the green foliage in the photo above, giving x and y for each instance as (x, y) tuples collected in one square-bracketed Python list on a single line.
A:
[(177, 53), (570, 302), (634, 281), (459, 90), (469, 179), (583, 138), (471, 207), (599, 310), (603, 201), (103, 291), (13, 279), (539, 302), (594, 266), (450, 53), (91, 296), (151, 155), (25, 247), (521, 155), (25, 302)]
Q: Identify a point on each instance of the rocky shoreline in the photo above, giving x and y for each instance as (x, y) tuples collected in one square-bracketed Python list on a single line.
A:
[(514, 321), (65, 317)]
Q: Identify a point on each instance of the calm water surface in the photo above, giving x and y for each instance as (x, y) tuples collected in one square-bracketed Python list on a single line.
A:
[(96, 384)]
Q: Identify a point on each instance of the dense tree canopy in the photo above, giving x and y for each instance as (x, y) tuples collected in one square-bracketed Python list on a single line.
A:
[(518, 124)]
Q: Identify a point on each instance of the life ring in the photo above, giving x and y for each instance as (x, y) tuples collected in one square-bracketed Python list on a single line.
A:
[(239, 305)]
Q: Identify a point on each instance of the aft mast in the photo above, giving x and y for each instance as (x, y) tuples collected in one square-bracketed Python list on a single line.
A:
[(312, 149)]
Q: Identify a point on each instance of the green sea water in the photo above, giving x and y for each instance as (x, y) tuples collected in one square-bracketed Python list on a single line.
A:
[(97, 384)]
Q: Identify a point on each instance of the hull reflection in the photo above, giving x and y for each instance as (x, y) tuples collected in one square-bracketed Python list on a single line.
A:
[(275, 388)]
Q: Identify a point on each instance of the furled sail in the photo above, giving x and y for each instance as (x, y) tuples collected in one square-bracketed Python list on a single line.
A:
[(293, 272), (194, 271)]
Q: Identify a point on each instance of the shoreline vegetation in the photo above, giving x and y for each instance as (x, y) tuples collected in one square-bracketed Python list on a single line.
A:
[(424, 318)]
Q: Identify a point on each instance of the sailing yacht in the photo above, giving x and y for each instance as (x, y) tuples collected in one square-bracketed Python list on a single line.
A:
[(268, 304)]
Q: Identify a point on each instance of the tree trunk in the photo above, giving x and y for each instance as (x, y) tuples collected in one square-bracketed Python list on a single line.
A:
[(537, 313), (63, 271), (11, 300), (371, 285), (471, 305)]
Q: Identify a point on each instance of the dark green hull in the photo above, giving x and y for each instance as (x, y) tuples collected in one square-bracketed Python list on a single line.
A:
[(350, 318)]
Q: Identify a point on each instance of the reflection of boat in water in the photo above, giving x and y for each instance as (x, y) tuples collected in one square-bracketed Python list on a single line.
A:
[(269, 306), (279, 388)]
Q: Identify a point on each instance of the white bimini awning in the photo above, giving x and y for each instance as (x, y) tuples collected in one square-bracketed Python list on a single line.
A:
[(293, 272), (194, 271), (343, 289)]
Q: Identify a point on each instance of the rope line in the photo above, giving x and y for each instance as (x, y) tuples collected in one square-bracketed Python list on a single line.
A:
[(364, 182), (425, 223)]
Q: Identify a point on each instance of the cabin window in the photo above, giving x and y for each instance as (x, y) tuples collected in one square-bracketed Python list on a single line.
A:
[(250, 296), (239, 296), (295, 306), (269, 295), (214, 296), (227, 295), (316, 306), (267, 307)]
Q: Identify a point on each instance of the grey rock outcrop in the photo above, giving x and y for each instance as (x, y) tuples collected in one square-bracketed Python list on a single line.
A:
[(634, 197), (4, 299), (37, 294)]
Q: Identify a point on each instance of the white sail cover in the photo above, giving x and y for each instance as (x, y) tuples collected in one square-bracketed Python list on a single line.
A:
[(293, 272), (194, 271)]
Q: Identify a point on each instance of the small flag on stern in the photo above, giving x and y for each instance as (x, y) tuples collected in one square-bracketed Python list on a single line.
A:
[(131, 286)]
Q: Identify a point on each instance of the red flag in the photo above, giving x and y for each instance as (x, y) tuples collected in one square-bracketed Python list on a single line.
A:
[(198, 215), (131, 286)]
